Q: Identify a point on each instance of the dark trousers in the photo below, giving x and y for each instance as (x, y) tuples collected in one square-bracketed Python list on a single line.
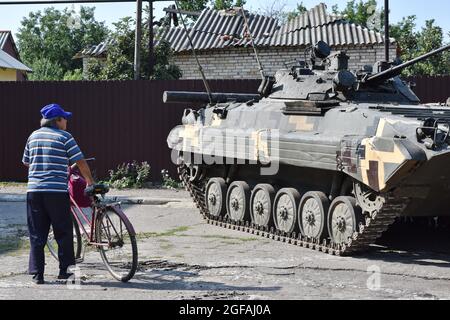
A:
[(45, 209)]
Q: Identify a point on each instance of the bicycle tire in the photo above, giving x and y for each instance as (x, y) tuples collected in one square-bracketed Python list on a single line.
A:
[(78, 246), (132, 237)]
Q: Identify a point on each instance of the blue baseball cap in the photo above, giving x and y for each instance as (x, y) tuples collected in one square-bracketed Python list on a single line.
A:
[(54, 111)]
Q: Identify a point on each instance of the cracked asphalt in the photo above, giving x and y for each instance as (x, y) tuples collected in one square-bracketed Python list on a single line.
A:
[(182, 257)]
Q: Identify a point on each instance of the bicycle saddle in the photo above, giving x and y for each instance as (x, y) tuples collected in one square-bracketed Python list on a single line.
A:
[(96, 189)]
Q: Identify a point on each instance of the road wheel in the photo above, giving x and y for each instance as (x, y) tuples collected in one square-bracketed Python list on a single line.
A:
[(261, 203), (215, 197), (312, 215), (285, 210), (344, 218), (238, 201)]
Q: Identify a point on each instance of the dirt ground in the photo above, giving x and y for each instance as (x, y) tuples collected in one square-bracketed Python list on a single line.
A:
[(182, 257)]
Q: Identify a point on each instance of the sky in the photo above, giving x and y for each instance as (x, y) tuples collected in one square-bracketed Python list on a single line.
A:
[(10, 16)]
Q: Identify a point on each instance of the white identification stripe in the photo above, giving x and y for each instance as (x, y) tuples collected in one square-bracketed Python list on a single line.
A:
[(46, 190), (46, 132), (74, 156), (70, 140), (57, 157), (48, 148), (47, 182), (74, 147), (46, 140), (49, 164)]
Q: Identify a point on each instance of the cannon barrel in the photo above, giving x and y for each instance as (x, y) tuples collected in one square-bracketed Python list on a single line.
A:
[(397, 70), (202, 97)]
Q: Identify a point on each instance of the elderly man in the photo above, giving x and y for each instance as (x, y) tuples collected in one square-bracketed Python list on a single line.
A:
[(48, 154)]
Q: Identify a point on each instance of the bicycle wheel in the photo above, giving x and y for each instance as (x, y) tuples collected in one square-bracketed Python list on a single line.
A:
[(119, 248), (52, 245)]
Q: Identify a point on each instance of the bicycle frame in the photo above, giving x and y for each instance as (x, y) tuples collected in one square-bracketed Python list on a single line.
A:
[(96, 208)]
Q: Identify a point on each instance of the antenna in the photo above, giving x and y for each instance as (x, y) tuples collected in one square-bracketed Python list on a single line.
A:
[(200, 68), (261, 69)]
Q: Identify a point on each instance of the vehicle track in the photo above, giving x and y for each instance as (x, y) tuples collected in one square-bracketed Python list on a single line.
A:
[(369, 231)]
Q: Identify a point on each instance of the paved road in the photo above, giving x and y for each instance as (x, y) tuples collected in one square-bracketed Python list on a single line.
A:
[(183, 258)]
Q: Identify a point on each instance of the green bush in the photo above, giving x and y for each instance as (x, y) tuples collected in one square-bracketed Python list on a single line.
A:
[(168, 182), (130, 175)]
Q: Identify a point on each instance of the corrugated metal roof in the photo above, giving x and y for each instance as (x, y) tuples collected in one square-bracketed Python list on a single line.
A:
[(6, 61), (231, 23), (219, 29), (317, 16), (338, 33), (226, 28), (96, 50)]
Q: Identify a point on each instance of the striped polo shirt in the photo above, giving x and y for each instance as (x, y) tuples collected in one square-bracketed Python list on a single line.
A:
[(49, 152)]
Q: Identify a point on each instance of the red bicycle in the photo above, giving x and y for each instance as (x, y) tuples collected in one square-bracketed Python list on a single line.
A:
[(104, 227)]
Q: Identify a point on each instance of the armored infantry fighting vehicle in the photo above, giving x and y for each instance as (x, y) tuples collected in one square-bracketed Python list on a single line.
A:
[(322, 157)]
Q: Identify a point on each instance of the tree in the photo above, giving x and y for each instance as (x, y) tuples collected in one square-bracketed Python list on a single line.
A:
[(164, 70), (199, 5), (275, 9), (119, 64), (54, 37), (75, 75), (298, 11), (362, 12), (46, 70), (416, 43), (227, 4), (405, 36), (193, 5)]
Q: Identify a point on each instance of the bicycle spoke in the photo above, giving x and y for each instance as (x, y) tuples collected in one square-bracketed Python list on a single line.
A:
[(119, 255)]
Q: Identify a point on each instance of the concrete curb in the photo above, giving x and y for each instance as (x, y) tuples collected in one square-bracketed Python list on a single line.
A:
[(11, 198)]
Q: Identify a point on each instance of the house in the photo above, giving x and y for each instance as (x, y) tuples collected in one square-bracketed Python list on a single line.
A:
[(224, 49), (11, 68), (96, 52)]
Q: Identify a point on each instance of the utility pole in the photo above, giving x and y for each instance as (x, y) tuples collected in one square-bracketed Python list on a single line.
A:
[(138, 42), (151, 38), (387, 42)]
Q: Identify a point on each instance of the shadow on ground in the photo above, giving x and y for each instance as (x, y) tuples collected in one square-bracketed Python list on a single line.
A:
[(413, 243), (167, 276)]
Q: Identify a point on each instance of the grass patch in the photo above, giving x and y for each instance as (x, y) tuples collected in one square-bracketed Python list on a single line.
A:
[(168, 233), (12, 184), (230, 242), (230, 239), (13, 245)]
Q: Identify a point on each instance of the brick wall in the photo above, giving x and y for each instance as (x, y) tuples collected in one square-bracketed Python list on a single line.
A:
[(240, 63)]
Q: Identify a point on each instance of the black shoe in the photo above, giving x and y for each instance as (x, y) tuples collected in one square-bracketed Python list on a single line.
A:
[(38, 278), (64, 275)]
